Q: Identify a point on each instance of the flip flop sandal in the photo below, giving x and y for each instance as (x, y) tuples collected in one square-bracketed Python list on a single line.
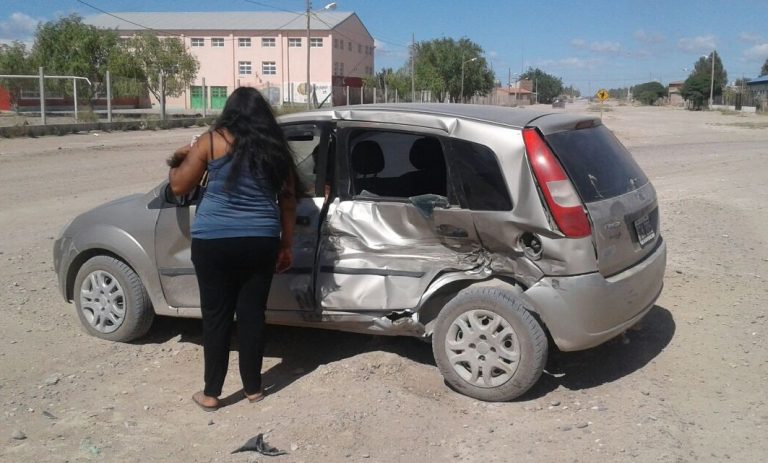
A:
[(197, 398)]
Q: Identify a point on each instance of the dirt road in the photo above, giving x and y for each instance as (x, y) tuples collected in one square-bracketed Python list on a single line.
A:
[(690, 385)]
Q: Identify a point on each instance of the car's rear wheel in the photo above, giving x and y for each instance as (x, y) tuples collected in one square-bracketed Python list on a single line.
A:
[(488, 346), (111, 301)]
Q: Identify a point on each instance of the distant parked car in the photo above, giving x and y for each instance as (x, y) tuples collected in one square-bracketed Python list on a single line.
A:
[(558, 103), (485, 229)]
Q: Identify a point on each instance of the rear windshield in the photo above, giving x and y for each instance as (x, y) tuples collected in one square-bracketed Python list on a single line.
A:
[(598, 164)]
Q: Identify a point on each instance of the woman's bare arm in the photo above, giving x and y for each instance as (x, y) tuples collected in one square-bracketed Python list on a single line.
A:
[(189, 165)]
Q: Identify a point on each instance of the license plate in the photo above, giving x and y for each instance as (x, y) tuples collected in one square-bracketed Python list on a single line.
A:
[(645, 231)]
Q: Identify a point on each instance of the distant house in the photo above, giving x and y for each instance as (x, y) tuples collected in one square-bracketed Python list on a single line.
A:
[(759, 89), (505, 96), (266, 50), (674, 92)]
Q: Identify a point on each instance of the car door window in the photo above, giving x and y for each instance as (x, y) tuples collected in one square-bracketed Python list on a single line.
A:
[(396, 164), (304, 140), (478, 176)]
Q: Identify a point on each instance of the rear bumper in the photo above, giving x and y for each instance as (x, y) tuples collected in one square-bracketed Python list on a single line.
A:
[(586, 310)]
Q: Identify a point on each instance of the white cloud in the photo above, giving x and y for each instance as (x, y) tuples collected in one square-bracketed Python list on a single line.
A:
[(18, 26), (569, 63), (641, 35), (757, 53), (578, 43), (698, 44), (748, 37), (604, 46)]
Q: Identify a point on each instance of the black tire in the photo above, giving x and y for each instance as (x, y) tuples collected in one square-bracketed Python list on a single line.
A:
[(505, 351), (111, 301)]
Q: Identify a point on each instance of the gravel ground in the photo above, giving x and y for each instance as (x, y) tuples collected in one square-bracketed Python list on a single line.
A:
[(689, 384)]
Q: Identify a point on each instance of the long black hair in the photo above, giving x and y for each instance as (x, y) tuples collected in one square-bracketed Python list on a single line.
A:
[(259, 143)]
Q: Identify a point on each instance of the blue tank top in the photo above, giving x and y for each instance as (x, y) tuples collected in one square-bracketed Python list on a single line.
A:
[(247, 207)]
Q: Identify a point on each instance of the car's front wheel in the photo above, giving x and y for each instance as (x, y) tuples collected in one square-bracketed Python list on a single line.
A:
[(111, 301), (488, 346)]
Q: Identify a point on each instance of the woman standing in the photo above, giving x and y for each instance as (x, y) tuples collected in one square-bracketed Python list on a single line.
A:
[(242, 232)]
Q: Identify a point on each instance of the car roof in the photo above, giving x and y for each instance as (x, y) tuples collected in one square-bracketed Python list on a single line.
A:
[(546, 120)]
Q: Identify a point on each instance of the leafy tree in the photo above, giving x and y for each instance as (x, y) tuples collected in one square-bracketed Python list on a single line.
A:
[(69, 47), (649, 92), (696, 90), (145, 57), (764, 69), (14, 59), (697, 86), (394, 82), (438, 65), (547, 87)]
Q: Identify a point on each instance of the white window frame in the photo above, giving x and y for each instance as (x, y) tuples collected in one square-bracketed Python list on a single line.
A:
[(217, 42), (268, 42), (245, 66), (244, 42), (316, 42), (197, 42), (294, 42), (269, 68)]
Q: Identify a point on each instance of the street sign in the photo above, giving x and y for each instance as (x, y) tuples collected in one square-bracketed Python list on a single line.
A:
[(602, 94)]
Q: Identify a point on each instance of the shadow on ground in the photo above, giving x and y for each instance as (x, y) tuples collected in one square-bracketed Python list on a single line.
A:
[(608, 362), (302, 350)]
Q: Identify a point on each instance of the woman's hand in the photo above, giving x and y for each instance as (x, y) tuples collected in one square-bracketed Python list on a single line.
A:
[(284, 259)]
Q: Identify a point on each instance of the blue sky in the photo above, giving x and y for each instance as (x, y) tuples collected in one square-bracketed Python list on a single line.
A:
[(587, 43)]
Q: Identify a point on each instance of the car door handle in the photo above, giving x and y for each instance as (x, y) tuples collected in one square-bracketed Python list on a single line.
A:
[(451, 231)]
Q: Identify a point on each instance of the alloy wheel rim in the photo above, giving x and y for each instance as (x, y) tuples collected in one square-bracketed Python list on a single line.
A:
[(483, 348), (102, 301)]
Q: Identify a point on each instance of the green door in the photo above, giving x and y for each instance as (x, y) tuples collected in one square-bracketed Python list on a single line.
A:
[(196, 97), (218, 97)]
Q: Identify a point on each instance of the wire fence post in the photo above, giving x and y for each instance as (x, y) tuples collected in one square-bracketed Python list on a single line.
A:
[(42, 95), (74, 95), (109, 98)]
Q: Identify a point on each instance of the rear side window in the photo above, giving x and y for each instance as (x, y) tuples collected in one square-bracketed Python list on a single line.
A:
[(478, 175), (597, 163)]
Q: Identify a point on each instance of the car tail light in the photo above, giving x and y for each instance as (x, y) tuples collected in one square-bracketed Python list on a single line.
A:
[(560, 194)]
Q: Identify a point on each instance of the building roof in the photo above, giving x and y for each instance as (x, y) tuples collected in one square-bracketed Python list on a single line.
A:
[(758, 81), (218, 21)]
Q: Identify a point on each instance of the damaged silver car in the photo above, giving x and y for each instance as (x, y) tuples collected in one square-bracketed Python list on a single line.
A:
[(488, 230)]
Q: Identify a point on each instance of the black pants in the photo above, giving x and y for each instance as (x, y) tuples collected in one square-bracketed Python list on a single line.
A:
[(234, 276)]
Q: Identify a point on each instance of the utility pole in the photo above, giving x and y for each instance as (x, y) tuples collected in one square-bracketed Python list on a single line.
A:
[(712, 80), (413, 76), (309, 101)]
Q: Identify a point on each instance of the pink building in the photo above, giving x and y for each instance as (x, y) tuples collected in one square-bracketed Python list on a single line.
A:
[(266, 50)]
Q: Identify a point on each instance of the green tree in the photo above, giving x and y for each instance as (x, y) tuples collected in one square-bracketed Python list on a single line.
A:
[(69, 47), (15, 60), (146, 57), (649, 92), (438, 65), (391, 82), (696, 88), (547, 87), (619, 93), (764, 69)]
